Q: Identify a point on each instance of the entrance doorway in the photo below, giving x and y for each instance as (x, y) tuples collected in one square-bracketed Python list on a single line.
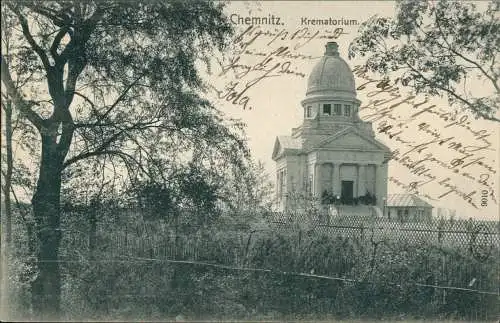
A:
[(347, 193)]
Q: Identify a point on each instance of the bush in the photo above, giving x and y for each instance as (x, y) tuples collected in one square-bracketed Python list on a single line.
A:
[(249, 270)]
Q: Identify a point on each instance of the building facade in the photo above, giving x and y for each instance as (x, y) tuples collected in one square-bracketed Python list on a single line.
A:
[(333, 155)]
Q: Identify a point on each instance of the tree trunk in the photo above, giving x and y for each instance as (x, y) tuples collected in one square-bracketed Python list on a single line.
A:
[(6, 223), (94, 208), (8, 175), (46, 289)]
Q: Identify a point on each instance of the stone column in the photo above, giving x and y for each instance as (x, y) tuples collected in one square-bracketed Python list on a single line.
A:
[(361, 180), (336, 179), (380, 183), (317, 180), (334, 166)]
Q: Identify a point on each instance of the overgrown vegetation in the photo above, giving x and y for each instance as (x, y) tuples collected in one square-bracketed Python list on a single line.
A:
[(243, 268)]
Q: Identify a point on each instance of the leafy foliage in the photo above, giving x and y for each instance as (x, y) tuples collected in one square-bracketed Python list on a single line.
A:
[(127, 280), (385, 286), (116, 84), (437, 48)]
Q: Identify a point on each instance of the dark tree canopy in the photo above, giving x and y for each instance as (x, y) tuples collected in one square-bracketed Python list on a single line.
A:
[(436, 48), (113, 89), (116, 73)]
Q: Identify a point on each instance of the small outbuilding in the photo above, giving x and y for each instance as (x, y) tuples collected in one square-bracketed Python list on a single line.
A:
[(407, 208)]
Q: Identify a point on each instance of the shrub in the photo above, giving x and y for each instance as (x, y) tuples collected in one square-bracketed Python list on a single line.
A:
[(373, 279)]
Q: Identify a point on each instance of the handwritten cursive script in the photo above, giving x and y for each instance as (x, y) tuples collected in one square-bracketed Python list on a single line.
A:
[(259, 54), (434, 145)]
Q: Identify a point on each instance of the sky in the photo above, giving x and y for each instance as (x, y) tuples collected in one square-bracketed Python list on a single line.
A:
[(270, 105)]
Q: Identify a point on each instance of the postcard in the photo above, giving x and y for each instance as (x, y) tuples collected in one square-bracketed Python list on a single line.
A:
[(250, 160)]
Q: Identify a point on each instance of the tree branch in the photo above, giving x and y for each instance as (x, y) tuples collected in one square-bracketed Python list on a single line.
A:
[(57, 41), (119, 153), (29, 37), (105, 145), (122, 95), (75, 68), (491, 78), (452, 93), (95, 152), (58, 21), (84, 97), (19, 102), (450, 48), (68, 129)]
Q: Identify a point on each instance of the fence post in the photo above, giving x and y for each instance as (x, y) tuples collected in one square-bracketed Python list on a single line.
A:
[(126, 237), (440, 230), (443, 271)]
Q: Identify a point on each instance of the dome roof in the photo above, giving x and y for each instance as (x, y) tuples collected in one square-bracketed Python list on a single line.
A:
[(331, 75)]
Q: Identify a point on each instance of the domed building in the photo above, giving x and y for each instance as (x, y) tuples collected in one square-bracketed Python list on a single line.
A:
[(333, 155)]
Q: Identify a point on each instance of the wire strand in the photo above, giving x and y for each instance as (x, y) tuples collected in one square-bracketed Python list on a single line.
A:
[(271, 271)]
